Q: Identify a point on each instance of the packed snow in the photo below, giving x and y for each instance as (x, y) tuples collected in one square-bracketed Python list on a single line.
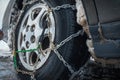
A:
[(4, 49)]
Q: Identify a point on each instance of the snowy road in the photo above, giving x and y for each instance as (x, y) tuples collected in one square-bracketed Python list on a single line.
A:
[(7, 71)]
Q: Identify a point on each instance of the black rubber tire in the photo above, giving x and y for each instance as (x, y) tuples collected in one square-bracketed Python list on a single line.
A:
[(75, 51)]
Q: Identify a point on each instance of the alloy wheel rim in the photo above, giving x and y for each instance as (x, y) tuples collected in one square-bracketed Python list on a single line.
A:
[(29, 35)]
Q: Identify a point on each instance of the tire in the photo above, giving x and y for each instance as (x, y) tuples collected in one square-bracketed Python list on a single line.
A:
[(74, 52)]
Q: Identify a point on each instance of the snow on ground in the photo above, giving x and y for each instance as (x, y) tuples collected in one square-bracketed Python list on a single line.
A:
[(7, 71), (4, 49)]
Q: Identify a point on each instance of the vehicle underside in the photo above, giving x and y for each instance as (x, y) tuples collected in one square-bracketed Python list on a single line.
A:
[(53, 39)]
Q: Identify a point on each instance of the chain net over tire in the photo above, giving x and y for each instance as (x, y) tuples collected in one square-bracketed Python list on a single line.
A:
[(46, 35)]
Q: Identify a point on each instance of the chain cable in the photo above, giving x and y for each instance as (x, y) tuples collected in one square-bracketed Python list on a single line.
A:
[(80, 32), (64, 6), (54, 48)]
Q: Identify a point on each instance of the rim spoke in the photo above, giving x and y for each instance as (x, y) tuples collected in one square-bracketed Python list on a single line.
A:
[(30, 21), (28, 58), (23, 45), (39, 55), (37, 19), (47, 31)]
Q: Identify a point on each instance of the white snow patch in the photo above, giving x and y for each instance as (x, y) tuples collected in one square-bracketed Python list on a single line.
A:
[(80, 11), (3, 6), (4, 49)]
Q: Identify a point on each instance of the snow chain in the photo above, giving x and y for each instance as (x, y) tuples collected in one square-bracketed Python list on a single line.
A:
[(54, 48)]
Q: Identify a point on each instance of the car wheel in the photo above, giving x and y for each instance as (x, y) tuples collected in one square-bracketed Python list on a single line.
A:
[(33, 28)]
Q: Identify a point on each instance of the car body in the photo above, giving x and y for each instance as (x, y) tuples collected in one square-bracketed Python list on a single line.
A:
[(104, 26)]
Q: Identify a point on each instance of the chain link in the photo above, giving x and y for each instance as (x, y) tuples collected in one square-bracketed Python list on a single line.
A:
[(24, 72), (29, 2), (80, 32), (64, 6)]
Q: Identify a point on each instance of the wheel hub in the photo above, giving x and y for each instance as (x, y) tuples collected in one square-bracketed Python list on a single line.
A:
[(30, 32)]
